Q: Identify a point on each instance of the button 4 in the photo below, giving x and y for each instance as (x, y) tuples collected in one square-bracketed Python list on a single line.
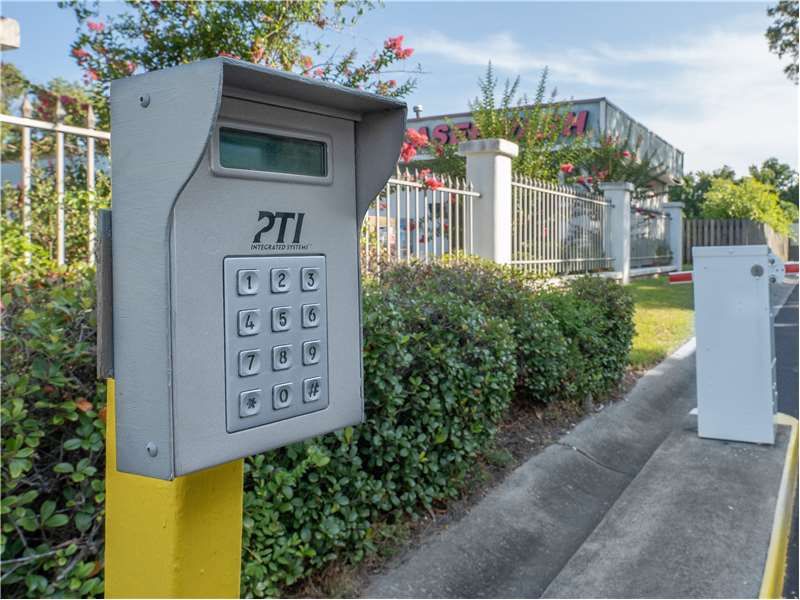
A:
[(249, 322)]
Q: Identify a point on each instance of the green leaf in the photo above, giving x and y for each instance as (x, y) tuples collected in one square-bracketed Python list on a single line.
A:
[(57, 521)]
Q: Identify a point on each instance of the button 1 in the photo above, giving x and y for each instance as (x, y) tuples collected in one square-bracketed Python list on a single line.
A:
[(309, 279), (247, 282), (311, 352), (281, 358), (249, 322), (249, 403), (280, 281), (249, 362), (310, 315), (281, 318), (312, 389), (282, 396)]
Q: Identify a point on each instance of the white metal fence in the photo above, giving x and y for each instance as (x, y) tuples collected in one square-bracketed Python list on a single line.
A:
[(649, 234), (418, 216), (556, 228), (90, 135)]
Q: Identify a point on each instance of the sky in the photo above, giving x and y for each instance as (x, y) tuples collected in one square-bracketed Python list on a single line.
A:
[(698, 74)]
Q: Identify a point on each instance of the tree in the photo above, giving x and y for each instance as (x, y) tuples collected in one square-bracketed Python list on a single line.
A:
[(693, 188), (534, 124), (779, 175), (747, 199), (782, 34), (155, 35)]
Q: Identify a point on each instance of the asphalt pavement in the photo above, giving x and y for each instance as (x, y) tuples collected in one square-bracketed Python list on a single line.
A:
[(786, 351)]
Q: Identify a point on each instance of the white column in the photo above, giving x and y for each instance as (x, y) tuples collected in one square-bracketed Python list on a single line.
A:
[(619, 225), (675, 212), (489, 171)]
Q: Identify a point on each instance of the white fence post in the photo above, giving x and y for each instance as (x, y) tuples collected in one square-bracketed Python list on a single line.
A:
[(674, 211), (91, 122), (27, 221), (61, 253), (489, 171), (619, 225)]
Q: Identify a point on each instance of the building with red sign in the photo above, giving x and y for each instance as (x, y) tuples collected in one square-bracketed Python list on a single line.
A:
[(597, 117)]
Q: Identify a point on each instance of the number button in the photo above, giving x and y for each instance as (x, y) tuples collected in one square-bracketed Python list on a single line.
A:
[(281, 358), (282, 396), (249, 362), (247, 282), (281, 318), (309, 279), (249, 322), (249, 403), (280, 281), (310, 315), (312, 389), (311, 352)]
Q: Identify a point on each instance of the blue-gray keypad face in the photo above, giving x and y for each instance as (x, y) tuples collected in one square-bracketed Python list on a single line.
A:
[(276, 339)]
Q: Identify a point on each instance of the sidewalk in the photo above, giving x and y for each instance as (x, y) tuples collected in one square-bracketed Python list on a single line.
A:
[(629, 504)]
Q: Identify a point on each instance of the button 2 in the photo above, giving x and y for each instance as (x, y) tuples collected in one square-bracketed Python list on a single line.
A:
[(281, 318), (309, 279), (282, 396), (249, 403), (280, 281), (310, 315), (311, 352), (281, 358), (249, 322), (247, 282), (249, 362)]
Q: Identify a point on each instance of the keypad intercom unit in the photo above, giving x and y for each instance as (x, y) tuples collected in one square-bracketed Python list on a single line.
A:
[(239, 193)]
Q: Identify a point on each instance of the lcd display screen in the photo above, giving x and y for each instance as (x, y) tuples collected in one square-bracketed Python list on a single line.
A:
[(272, 153)]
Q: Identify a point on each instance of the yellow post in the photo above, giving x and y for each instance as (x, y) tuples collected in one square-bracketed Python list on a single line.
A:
[(171, 539)]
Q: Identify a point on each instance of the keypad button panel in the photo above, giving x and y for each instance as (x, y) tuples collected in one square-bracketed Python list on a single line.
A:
[(276, 338)]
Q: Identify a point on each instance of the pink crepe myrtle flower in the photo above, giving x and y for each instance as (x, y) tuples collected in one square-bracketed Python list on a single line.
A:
[(407, 152), (307, 62), (391, 83), (581, 179), (416, 138), (394, 43), (626, 154), (319, 72), (567, 168), (95, 26), (79, 53), (404, 53), (130, 66), (432, 183)]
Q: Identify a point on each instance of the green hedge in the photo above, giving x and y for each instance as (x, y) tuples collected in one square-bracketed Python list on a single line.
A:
[(445, 349)]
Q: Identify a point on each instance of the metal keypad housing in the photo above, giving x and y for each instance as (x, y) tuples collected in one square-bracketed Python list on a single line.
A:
[(276, 338)]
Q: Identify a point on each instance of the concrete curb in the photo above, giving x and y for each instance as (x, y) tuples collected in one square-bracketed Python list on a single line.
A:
[(775, 567)]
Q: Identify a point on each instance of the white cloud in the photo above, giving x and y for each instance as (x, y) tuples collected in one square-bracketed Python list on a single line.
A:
[(719, 94)]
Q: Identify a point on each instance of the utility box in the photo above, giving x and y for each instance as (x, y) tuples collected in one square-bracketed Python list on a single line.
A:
[(736, 388), (238, 195)]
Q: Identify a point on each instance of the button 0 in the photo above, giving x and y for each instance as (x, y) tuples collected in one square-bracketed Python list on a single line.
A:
[(311, 352), (281, 358), (281, 318), (249, 403), (309, 315), (249, 322), (249, 362), (309, 279), (282, 396), (312, 389), (280, 281), (247, 282)]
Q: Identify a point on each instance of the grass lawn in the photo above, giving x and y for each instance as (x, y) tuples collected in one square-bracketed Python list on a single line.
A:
[(664, 319)]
